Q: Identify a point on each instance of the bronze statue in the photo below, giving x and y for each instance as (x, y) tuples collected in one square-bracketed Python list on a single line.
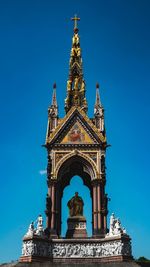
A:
[(75, 205)]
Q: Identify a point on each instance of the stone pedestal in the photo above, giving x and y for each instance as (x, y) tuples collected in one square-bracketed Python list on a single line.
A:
[(76, 248), (68, 251), (76, 227)]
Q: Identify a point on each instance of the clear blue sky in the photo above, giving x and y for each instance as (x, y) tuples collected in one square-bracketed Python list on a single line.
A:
[(34, 52)]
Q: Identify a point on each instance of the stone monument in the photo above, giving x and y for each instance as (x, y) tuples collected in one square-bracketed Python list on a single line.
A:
[(76, 145)]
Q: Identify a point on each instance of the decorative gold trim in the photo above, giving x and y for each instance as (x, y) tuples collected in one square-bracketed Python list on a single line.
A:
[(68, 115), (80, 154)]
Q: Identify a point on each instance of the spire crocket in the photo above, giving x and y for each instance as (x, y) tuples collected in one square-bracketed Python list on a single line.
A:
[(76, 82)]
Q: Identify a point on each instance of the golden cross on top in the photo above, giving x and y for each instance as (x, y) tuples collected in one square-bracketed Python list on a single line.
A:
[(75, 21)]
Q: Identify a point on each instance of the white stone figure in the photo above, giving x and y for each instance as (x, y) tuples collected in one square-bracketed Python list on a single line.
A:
[(40, 229), (112, 221), (30, 231), (115, 227)]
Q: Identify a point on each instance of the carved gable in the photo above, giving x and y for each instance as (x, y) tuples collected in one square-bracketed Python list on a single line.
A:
[(75, 128)]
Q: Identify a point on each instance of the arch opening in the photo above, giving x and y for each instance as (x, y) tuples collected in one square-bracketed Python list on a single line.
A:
[(76, 185), (80, 173), (75, 165)]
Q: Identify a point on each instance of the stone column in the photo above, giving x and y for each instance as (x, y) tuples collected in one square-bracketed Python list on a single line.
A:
[(99, 207), (99, 217), (104, 210), (94, 202), (58, 211), (51, 211), (48, 209), (94, 207)]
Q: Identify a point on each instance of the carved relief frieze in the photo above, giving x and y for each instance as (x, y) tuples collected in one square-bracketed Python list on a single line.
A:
[(77, 249)]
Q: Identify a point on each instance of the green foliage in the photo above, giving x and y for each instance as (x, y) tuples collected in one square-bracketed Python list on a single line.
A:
[(143, 259)]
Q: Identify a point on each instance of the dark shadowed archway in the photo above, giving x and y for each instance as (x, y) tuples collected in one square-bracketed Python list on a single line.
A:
[(73, 166), (76, 185)]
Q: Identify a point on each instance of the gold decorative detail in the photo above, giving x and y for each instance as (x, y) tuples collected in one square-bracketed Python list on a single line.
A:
[(66, 118), (69, 85), (75, 39), (75, 19), (83, 87), (80, 154), (93, 156), (75, 84), (58, 156), (102, 138)]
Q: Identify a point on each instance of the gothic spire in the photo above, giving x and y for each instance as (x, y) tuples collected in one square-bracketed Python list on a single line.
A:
[(99, 111), (54, 100), (52, 113), (76, 82), (97, 100)]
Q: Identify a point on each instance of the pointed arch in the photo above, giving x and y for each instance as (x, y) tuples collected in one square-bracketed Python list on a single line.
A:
[(75, 163)]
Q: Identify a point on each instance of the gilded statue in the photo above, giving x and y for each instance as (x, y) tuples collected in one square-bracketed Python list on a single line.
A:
[(75, 205), (78, 51), (76, 82), (75, 39), (73, 52), (69, 85), (83, 85)]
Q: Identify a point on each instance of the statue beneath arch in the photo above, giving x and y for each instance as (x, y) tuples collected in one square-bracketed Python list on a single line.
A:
[(76, 221), (75, 205)]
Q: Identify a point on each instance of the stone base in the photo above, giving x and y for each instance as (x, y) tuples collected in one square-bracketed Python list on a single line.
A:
[(49, 264), (77, 251), (76, 227)]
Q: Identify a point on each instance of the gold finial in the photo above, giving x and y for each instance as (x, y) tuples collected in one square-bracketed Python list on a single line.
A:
[(75, 21)]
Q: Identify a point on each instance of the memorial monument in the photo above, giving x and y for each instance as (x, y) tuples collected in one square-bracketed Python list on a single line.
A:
[(76, 145)]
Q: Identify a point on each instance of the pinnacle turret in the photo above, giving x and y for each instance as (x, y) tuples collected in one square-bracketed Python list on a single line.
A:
[(99, 111), (52, 113), (54, 100), (76, 82), (98, 105)]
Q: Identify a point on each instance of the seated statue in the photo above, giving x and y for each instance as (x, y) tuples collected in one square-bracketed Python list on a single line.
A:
[(75, 205)]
